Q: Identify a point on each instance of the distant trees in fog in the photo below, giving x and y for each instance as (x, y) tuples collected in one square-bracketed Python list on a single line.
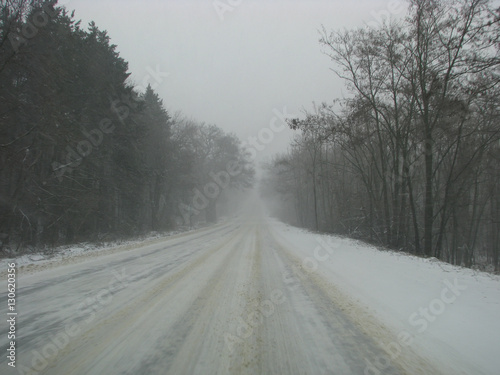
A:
[(83, 154), (411, 159)]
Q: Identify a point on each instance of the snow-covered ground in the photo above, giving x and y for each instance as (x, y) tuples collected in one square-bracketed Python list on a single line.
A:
[(252, 296), (36, 260), (86, 249), (449, 314)]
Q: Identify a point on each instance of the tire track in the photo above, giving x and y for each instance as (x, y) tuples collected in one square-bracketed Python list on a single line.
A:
[(247, 354), (202, 340), (127, 316), (360, 333)]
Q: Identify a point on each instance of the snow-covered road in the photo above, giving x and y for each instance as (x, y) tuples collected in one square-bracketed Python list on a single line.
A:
[(235, 298)]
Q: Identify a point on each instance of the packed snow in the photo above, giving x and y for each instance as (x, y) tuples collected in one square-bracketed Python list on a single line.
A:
[(253, 295), (450, 314)]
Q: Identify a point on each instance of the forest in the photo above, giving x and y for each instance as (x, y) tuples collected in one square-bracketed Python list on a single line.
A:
[(87, 156), (409, 160)]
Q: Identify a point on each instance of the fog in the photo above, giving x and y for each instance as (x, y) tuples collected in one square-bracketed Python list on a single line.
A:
[(156, 216), (232, 63)]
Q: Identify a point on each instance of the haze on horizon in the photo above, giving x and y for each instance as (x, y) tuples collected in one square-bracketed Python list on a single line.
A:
[(241, 65)]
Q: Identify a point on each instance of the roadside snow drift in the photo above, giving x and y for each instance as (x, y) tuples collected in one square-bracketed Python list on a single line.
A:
[(251, 296), (449, 314)]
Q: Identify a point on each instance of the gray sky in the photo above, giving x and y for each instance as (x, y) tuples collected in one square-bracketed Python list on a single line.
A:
[(233, 63)]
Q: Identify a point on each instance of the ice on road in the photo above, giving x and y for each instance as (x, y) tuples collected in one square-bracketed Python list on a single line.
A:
[(228, 299)]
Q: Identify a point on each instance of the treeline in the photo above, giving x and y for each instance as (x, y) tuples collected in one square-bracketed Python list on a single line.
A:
[(85, 156), (411, 159)]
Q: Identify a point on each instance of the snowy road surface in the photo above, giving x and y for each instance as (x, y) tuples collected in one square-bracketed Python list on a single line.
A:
[(234, 298)]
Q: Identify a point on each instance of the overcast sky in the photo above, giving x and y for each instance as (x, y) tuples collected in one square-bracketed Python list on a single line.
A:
[(233, 63)]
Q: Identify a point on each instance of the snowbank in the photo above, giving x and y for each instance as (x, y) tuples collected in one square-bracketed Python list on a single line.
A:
[(35, 261), (448, 314)]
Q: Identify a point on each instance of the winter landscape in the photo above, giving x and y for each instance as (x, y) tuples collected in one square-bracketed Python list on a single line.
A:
[(250, 187)]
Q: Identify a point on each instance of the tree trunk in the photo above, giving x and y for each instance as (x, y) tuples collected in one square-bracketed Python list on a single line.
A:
[(429, 202)]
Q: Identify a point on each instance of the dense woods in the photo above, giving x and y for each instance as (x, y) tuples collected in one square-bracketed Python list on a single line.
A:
[(410, 160), (85, 156)]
